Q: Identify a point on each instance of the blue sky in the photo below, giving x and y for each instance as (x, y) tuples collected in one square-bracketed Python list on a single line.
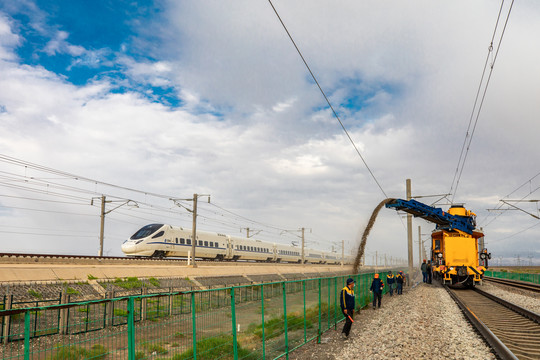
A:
[(178, 97), (89, 41)]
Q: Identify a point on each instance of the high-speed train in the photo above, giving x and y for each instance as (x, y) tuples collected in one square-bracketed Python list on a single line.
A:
[(161, 240)]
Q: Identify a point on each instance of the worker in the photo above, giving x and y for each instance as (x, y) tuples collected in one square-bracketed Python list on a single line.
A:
[(347, 303), (376, 288), (423, 267), (428, 270), (390, 280), (399, 281)]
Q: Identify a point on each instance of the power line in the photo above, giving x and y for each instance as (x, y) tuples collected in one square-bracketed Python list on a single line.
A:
[(44, 186), (518, 188), (465, 142), (327, 101)]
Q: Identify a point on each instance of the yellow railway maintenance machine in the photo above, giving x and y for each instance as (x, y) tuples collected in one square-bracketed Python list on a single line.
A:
[(455, 255)]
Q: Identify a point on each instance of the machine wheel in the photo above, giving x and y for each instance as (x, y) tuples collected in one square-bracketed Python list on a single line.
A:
[(160, 254)]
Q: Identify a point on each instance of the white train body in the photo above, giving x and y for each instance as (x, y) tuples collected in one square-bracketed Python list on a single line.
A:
[(161, 240)]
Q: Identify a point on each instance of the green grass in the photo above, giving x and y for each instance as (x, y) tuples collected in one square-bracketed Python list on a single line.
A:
[(154, 282), (156, 348), (72, 291), (128, 283), (120, 313), (276, 326), (91, 277), (75, 353), (220, 347), (35, 293)]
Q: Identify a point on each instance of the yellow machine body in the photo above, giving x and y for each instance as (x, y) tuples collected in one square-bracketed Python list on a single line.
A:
[(455, 255)]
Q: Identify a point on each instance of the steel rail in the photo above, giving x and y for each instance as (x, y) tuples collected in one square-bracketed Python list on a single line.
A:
[(482, 321), (514, 283), (497, 345), (36, 257)]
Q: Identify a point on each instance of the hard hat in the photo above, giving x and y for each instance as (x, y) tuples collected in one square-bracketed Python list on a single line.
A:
[(376, 276)]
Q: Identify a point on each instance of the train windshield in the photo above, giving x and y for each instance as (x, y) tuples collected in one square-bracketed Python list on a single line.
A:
[(146, 231)]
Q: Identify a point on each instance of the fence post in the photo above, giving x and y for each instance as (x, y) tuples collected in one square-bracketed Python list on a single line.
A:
[(328, 287), (144, 304), (131, 328), (194, 325), (262, 317), (233, 317), (7, 319), (109, 309), (335, 303), (319, 329), (27, 335), (305, 320), (285, 318), (64, 312), (171, 301)]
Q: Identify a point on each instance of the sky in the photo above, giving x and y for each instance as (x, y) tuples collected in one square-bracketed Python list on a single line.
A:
[(150, 101)]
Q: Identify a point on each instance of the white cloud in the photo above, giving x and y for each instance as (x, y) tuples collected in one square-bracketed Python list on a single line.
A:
[(8, 40)]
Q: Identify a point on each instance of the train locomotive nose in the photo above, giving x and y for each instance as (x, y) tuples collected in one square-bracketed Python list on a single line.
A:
[(129, 247)]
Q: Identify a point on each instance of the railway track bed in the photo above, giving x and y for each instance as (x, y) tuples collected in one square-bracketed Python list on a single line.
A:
[(513, 332), (515, 284)]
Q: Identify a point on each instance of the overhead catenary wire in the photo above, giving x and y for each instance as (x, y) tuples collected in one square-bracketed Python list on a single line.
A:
[(54, 187), (327, 100), (468, 137)]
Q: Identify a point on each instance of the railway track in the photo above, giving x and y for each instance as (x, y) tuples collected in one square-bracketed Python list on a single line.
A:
[(30, 258), (511, 331), (89, 257), (514, 283)]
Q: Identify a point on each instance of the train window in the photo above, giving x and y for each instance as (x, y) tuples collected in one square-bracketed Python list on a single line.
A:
[(161, 233), (206, 243), (211, 244), (200, 242), (146, 231), (188, 241), (216, 244), (177, 240), (182, 240), (437, 244)]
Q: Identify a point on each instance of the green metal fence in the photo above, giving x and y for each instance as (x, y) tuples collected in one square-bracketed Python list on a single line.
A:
[(263, 321), (532, 278)]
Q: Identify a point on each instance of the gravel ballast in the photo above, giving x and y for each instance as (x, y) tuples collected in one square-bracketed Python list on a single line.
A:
[(526, 299), (423, 323)]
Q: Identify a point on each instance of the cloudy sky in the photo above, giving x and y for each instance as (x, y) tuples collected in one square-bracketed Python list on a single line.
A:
[(148, 101)]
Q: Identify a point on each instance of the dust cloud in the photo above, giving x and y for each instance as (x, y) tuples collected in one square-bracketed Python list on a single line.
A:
[(365, 234)]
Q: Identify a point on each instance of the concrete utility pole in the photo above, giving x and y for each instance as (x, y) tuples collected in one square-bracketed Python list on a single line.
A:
[(194, 231), (103, 213), (342, 252), (303, 262), (419, 247), (194, 225), (102, 227), (409, 230)]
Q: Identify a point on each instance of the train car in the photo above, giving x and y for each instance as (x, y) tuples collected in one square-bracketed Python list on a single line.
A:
[(455, 254), (248, 249), (331, 258), (287, 253), (162, 240), (313, 256)]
